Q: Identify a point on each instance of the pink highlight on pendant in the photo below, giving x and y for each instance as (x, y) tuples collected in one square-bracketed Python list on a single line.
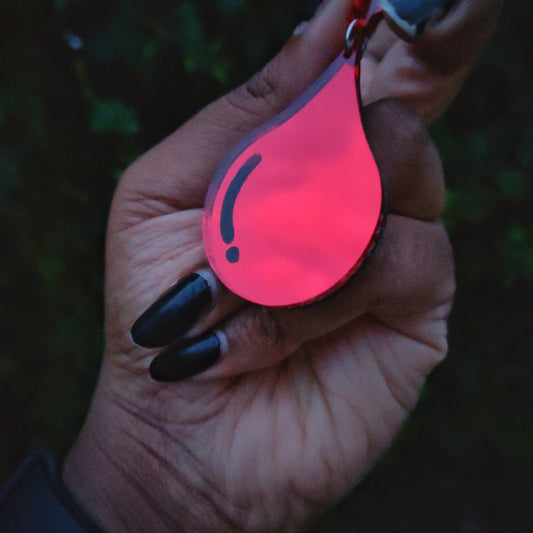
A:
[(296, 207)]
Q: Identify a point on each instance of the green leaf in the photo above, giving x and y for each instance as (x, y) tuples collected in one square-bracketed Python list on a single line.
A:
[(112, 116)]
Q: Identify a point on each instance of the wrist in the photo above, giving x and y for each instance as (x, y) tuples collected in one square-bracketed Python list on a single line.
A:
[(99, 482), (119, 480)]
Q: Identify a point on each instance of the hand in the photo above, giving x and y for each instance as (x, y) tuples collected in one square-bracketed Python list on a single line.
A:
[(427, 73), (299, 403)]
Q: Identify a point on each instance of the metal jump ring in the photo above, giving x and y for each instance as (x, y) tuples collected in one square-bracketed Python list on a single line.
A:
[(350, 39)]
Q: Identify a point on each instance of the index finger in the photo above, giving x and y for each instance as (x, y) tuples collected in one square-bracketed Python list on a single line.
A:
[(177, 172)]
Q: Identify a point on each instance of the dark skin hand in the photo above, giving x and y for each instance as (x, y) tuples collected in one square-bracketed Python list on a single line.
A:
[(302, 402)]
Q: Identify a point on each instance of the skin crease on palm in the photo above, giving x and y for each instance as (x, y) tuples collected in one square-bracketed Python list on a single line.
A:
[(303, 401)]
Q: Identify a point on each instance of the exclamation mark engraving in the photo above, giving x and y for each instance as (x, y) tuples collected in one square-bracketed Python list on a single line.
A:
[(227, 228)]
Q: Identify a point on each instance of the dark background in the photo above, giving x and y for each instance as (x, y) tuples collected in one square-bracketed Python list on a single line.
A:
[(86, 86)]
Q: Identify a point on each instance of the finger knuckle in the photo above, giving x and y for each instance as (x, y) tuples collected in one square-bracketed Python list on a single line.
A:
[(411, 130), (264, 83), (266, 93), (258, 93), (405, 125)]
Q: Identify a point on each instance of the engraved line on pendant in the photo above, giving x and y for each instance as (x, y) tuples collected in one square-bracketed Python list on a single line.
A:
[(227, 228)]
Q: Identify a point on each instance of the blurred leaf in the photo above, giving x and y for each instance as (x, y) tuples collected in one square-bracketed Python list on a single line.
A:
[(512, 183), (50, 267), (60, 5), (526, 147), (230, 6), (112, 116), (9, 169)]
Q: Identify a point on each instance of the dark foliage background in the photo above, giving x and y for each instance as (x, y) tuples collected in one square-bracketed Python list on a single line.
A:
[(86, 86)]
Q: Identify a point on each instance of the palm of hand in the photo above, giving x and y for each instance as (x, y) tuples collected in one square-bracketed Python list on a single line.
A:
[(302, 430)]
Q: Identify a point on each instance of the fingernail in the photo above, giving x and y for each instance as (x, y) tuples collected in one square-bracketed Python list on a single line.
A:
[(185, 358), (412, 16), (300, 28), (173, 313)]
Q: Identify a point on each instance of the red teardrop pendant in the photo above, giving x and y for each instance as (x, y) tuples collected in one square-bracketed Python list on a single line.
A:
[(297, 206)]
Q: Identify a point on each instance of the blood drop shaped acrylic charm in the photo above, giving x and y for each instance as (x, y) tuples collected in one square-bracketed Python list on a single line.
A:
[(295, 208)]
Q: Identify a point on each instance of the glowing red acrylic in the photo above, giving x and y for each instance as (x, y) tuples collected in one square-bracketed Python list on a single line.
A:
[(295, 209)]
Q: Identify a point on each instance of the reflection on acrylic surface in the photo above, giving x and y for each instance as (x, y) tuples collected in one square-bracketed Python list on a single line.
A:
[(294, 209)]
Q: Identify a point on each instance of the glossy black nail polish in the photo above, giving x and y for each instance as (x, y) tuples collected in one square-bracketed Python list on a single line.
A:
[(185, 358), (173, 313)]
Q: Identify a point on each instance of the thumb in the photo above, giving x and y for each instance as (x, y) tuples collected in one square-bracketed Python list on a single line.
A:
[(182, 166), (427, 72)]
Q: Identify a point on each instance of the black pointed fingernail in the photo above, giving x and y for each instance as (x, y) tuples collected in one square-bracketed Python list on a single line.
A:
[(185, 358), (173, 313)]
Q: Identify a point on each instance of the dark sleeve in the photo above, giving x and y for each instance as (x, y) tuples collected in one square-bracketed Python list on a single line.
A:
[(35, 501)]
